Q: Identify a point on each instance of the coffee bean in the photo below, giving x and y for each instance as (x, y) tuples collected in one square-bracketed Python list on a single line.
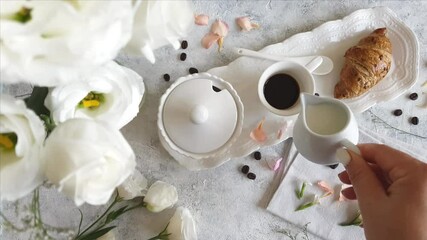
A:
[(413, 96), (397, 112), (183, 56), (257, 155), (216, 89), (251, 176), (167, 77), (193, 70), (184, 44), (245, 169), (415, 120), (333, 166)]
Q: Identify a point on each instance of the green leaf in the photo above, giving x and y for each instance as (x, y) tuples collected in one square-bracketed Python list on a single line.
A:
[(96, 234), (300, 193), (115, 214), (357, 221), (305, 206), (163, 235), (35, 102)]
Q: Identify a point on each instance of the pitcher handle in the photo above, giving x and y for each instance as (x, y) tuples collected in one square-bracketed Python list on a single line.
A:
[(350, 146)]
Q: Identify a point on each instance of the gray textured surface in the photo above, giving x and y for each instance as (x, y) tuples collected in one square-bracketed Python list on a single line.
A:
[(224, 203)]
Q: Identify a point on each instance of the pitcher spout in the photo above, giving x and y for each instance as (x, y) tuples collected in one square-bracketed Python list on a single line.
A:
[(307, 100)]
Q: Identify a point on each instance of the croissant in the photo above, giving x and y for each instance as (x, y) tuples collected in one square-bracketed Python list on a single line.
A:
[(366, 64)]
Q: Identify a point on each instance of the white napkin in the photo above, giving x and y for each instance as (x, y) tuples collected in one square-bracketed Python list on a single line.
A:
[(325, 218)]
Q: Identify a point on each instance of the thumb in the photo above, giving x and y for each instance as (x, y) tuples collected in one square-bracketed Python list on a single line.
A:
[(367, 186)]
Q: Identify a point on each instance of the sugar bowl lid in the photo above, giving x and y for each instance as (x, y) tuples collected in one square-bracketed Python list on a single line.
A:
[(200, 115)]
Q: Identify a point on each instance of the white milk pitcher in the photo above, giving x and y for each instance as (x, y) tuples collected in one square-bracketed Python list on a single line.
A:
[(323, 126)]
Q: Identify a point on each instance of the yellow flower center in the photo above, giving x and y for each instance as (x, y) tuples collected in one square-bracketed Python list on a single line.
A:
[(23, 15), (8, 140), (92, 100)]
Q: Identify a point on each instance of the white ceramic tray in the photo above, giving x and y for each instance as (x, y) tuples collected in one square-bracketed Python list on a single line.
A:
[(331, 39)]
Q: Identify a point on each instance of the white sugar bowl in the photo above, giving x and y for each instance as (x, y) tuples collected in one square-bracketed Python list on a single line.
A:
[(200, 117)]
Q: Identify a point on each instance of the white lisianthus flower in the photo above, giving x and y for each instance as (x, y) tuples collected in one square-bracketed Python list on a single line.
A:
[(133, 186), (87, 160), (48, 43), (111, 94), (182, 226), (21, 137), (158, 23), (108, 236), (160, 196)]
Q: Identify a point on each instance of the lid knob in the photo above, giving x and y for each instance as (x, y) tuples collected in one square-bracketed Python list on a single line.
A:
[(199, 114)]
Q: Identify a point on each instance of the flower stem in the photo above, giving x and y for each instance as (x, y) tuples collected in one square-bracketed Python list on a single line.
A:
[(116, 200)]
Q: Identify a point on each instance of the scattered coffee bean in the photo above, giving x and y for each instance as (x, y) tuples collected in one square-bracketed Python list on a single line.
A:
[(316, 94), (183, 56), (193, 70), (184, 44), (257, 155), (397, 112), (415, 120), (251, 176), (333, 166), (167, 77), (413, 96), (245, 169)]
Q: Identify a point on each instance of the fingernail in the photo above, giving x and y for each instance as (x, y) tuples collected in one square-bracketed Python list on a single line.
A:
[(341, 173), (343, 156)]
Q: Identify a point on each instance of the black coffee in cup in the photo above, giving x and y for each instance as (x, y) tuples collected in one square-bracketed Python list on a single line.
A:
[(281, 91)]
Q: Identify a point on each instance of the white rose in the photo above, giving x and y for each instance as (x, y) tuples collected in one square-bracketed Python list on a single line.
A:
[(87, 160), (160, 196), (116, 92), (21, 136), (133, 186), (182, 226), (158, 23), (54, 42)]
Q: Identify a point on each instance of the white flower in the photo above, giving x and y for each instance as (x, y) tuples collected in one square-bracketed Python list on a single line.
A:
[(182, 226), (108, 236), (160, 196), (54, 42), (133, 186), (158, 23), (116, 94), (87, 160), (21, 137)]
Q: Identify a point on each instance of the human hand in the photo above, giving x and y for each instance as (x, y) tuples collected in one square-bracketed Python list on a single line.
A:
[(391, 188)]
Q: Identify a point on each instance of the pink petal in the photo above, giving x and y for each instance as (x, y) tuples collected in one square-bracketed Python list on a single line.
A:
[(258, 133), (245, 24), (209, 39), (325, 187), (282, 130), (274, 164), (201, 19), (220, 28)]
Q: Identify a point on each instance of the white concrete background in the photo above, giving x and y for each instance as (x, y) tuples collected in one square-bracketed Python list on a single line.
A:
[(224, 203)]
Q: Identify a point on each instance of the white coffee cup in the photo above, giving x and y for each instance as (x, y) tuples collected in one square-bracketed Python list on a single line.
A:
[(302, 76)]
